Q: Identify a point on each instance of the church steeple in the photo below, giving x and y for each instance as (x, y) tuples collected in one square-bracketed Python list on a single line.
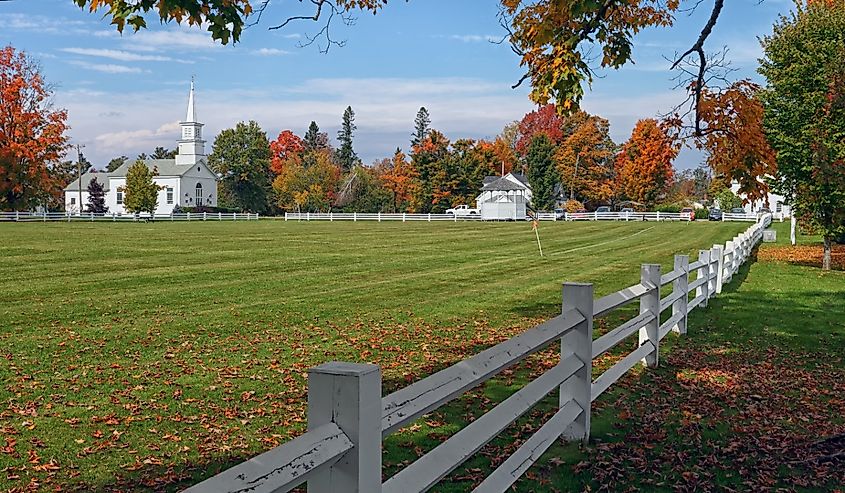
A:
[(192, 112), (191, 145)]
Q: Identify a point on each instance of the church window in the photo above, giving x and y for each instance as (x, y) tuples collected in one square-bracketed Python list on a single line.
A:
[(199, 194), (73, 201), (169, 195), (198, 168), (779, 207), (119, 197)]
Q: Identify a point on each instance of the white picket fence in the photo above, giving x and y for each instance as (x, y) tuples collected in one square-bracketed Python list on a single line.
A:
[(629, 216), (348, 418), (92, 217)]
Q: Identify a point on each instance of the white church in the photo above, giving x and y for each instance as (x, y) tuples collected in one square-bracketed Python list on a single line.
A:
[(186, 180)]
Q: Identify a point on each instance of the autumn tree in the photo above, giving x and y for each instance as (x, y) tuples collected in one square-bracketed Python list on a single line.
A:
[(734, 139), (32, 134), (804, 115), (345, 155), (287, 146), (96, 197), (585, 159), (544, 120), (363, 191), (241, 156), (542, 175), (429, 159), (644, 166), (140, 193), (401, 179), (312, 188)]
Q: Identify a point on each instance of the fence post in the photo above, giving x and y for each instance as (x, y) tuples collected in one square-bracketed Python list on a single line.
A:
[(354, 216), (189, 217), (17, 216), (720, 266), (429, 217), (650, 277), (204, 216), (729, 264), (714, 276), (703, 271), (349, 395), (379, 216), (680, 285), (403, 216), (578, 342), (658, 216)]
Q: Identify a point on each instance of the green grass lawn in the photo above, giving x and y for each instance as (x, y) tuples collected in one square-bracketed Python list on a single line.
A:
[(155, 354)]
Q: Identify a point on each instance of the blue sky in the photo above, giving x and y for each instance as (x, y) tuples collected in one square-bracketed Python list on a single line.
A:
[(125, 94)]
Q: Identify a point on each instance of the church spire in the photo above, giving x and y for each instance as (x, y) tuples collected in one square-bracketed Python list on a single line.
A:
[(191, 145), (192, 112)]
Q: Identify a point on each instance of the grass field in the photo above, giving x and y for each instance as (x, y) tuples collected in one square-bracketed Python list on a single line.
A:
[(153, 354)]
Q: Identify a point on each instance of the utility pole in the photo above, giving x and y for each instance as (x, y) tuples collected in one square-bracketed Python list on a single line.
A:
[(79, 173)]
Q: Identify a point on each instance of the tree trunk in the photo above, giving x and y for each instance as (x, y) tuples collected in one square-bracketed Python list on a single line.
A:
[(826, 257)]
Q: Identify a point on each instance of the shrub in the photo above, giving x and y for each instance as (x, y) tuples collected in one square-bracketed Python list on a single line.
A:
[(702, 214), (572, 205)]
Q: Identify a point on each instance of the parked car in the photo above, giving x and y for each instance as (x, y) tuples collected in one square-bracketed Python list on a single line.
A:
[(715, 214), (603, 208), (560, 214), (463, 210), (627, 210), (737, 210), (688, 211)]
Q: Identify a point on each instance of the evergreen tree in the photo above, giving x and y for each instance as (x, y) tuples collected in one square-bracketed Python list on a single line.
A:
[(314, 139), (96, 197), (116, 163), (140, 193), (346, 156), (163, 153), (422, 126), (542, 174)]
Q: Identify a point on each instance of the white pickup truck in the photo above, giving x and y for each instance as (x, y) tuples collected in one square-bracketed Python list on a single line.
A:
[(463, 210)]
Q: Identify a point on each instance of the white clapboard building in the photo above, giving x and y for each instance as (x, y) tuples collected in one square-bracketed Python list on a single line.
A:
[(777, 203), (186, 180), (504, 197)]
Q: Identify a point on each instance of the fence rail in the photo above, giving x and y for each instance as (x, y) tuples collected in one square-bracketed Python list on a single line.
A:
[(348, 418), (542, 216), (92, 217)]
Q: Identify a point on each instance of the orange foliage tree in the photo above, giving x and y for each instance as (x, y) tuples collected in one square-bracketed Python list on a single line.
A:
[(644, 166), (32, 134), (585, 159), (402, 180), (287, 146), (734, 139)]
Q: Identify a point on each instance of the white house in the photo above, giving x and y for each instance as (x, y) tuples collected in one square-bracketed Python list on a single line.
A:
[(504, 197), (186, 180), (777, 204)]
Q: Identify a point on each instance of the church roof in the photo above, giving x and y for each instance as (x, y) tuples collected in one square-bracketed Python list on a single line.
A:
[(103, 178), (165, 167)]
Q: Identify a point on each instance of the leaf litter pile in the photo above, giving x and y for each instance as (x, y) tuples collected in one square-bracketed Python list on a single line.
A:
[(809, 255)]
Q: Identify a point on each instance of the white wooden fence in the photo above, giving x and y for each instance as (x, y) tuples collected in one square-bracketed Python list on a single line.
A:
[(348, 418), (92, 217), (543, 216)]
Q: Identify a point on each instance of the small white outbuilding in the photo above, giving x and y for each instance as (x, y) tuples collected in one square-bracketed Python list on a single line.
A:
[(504, 198)]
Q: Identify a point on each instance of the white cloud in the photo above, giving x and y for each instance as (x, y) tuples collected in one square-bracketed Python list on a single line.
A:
[(270, 52), (292, 36), (172, 38), (107, 68), (119, 141), (124, 56), (474, 38)]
